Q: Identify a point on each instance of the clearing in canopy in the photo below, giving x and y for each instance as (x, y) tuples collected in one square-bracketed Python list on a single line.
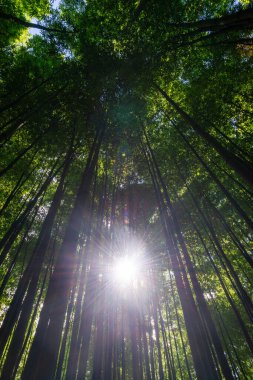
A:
[(126, 190)]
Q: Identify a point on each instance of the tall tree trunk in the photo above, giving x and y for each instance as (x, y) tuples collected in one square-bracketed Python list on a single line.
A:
[(42, 358), (196, 286), (33, 276), (199, 347)]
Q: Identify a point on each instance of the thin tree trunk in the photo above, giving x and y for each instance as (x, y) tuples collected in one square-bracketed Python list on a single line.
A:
[(34, 274), (9, 237), (229, 196), (242, 167), (42, 359), (199, 347), (198, 291), (22, 153)]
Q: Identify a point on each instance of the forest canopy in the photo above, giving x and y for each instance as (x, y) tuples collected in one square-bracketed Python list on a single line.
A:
[(126, 213)]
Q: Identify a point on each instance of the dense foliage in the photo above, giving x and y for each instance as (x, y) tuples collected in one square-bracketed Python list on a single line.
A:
[(126, 129)]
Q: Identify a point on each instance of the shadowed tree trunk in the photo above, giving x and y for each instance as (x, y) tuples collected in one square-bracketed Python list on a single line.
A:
[(31, 277), (199, 294), (42, 358), (242, 167)]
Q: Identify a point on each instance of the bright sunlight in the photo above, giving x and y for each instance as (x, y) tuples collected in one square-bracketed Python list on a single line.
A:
[(125, 271)]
